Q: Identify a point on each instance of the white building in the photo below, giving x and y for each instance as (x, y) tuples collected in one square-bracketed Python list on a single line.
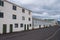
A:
[(14, 18), (39, 23)]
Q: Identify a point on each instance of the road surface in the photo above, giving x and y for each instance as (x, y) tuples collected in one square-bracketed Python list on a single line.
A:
[(39, 34)]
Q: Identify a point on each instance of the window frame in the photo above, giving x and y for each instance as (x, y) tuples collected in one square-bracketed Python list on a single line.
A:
[(29, 12), (1, 15), (1, 3), (16, 25), (21, 25), (14, 7), (30, 25), (23, 10), (29, 19), (23, 18), (14, 16)]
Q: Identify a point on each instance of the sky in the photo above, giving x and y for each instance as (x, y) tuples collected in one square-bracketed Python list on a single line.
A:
[(41, 8)]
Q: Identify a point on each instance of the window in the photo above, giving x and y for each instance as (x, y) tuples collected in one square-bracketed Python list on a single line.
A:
[(29, 19), (14, 7), (23, 10), (14, 16), (23, 18), (30, 25), (1, 3), (21, 25), (29, 12), (16, 25), (1, 15)]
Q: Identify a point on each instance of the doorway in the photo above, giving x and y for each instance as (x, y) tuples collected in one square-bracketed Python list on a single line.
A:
[(11, 28), (4, 28), (39, 26), (25, 27)]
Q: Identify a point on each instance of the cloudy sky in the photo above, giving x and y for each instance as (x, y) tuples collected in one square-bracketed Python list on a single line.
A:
[(41, 8)]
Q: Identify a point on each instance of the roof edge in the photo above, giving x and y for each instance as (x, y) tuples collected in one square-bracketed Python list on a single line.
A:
[(16, 5)]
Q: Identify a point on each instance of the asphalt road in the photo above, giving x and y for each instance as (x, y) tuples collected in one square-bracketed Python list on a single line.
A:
[(56, 36), (39, 34)]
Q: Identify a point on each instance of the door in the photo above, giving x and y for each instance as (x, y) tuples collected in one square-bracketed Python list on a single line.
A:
[(11, 27), (4, 28), (39, 26), (25, 27)]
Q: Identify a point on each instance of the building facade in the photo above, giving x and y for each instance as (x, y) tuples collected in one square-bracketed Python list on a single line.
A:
[(14, 18), (40, 23)]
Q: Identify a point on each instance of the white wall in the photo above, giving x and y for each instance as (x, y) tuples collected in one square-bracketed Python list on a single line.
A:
[(37, 22)]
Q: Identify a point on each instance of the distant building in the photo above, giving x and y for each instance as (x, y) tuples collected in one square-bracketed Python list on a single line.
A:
[(38, 23), (14, 18), (58, 23)]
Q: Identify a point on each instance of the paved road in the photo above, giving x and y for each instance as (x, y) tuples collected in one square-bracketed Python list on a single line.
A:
[(40, 34), (56, 36)]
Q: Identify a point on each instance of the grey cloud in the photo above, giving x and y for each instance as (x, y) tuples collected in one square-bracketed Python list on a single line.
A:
[(52, 7)]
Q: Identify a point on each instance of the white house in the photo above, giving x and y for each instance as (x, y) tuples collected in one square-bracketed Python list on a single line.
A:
[(14, 18), (40, 23)]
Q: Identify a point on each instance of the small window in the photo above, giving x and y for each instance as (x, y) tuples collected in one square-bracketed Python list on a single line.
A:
[(30, 25), (23, 18), (16, 25), (1, 15), (1, 3), (29, 19), (14, 16), (21, 25), (14, 7), (29, 12), (23, 10)]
